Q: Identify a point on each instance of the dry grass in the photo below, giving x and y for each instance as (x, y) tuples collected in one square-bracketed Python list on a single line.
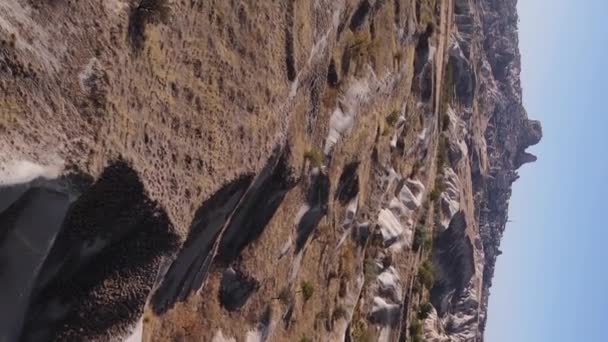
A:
[(427, 11), (229, 103)]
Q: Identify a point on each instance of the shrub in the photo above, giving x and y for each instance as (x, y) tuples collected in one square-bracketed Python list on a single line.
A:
[(416, 167), (442, 153), (422, 238), (322, 319), (146, 11), (305, 339), (339, 312), (417, 288), (425, 310), (386, 131), (370, 269), (446, 122), (426, 274), (435, 194), (447, 92), (361, 332), (96, 84), (12, 40), (330, 97), (428, 242), (284, 296), (314, 156), (416, 330), (343, 287), (361, 44), (392, 118), (418, 237), (307, 290)]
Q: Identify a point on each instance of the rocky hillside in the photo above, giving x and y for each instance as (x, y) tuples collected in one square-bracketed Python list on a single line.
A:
[(248, 170)]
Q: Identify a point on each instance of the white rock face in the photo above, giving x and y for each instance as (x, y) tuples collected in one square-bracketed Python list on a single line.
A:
[(31, 37), (395, 222), (450, 198), (463, 148), (458, 131), (411, 194), (389, 284), (303, 209), (463, 320), (384, 311), (219, 337), (87, 75), (343, 117), (423, 135), (391, 229), (137, 334), (390, 178), (253, 336), (351, 211), (23, 171)]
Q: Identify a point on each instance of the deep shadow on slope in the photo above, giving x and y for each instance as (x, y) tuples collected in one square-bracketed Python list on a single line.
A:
[(454, 263), (30, 218), (187, 273), (102, 264), (316, 199), (348, 184), (259, 206), (231, 219)]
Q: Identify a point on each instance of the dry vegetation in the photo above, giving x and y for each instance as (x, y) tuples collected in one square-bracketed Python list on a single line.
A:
[(206, 97)]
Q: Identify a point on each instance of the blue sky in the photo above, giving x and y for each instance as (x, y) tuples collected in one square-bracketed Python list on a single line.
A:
[(551, 283)]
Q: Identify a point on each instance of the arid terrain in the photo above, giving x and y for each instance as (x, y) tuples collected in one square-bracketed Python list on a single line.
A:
[(255, 170)]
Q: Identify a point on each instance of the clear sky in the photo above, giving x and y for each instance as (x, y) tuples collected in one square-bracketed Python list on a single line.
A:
[(551, 283)]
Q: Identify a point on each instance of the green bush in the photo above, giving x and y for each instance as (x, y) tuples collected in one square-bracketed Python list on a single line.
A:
[(307, 290), (435, 194), (442, 154), (416, 330), (426, 274), (425, 310), (386, 131), (392, 118), (370, 269), (420, 236), (417, 288), (447, 93), (305, 339), (428, 242), (314, 156), (361, 332)]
